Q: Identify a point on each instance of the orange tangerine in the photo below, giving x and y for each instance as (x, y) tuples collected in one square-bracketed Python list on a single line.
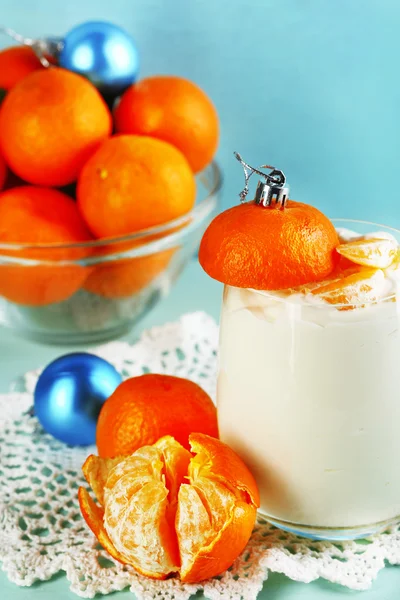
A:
[(33, 215), (132, 183), (16, 63), (172, 109), (50, 124), (143, 409), (167, 511), (251, 246), (124, 277)]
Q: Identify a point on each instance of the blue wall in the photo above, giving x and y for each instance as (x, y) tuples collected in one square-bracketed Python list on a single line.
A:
[(311, 86)]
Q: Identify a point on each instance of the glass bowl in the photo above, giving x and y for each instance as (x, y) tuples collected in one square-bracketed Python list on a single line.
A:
[(95, 291)]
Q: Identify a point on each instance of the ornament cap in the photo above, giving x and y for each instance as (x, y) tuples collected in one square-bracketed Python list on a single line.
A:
[(43, 48), (271, 189)]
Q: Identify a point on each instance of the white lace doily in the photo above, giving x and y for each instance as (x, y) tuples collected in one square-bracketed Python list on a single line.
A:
[(42, 531)]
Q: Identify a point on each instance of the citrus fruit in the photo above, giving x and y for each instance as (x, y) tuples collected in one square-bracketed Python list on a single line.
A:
[(171, 109), (50, 123), (356, 289), (168, 511), (143, 409), (124, 277), (250, 246), (3, 172), (34, 215), (371, 252), (16, 63), (343, 268), (132, 183)]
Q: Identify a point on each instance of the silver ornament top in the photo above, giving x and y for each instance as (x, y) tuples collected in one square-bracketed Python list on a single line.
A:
[(271, 190), (42, 47)]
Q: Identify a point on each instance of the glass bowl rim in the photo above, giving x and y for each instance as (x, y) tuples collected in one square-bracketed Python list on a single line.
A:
[(327, 306), (181, 222)]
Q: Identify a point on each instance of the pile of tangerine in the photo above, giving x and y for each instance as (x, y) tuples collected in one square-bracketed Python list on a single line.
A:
[(73, 171)]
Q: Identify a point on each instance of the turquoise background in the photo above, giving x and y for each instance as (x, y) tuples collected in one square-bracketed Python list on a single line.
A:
[(311, 86)]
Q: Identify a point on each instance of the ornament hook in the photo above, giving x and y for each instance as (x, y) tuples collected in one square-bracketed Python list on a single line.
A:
[(271, 190), (40, 47)]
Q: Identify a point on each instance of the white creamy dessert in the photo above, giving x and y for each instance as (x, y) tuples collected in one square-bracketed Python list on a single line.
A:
[(309, 396)]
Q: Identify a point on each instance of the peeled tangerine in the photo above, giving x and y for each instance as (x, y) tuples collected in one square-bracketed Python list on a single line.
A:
[(167, 511)]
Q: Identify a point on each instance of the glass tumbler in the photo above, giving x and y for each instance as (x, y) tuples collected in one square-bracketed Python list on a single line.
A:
[(309, 396)]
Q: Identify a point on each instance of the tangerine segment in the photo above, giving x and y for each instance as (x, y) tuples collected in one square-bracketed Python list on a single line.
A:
[(249, 246), (343, 268), (140, 508), (216, 460), (94, 516), (168, 512), (216, 510), (96, 471), (372, 252), (356, 289), (176, 463)]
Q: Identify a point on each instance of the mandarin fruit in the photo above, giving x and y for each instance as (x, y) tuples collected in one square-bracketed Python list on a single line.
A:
[(16, 63), (143, 409), (50, 124), (171, 109), (165, 510), (132, 183), (3, 172), (124, 277), (34, 215), (251, 246)]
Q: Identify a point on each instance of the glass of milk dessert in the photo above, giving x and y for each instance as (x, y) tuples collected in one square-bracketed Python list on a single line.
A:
[(309, 388)]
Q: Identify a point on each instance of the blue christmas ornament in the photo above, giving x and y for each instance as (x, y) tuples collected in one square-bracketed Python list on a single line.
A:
[(70, 393), (104, 53)]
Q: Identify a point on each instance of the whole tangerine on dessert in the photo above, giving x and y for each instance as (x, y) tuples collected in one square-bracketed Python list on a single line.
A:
[(16, 63), (172, 109), (143, 409), (51, 122), (167, 511), (271, 243)]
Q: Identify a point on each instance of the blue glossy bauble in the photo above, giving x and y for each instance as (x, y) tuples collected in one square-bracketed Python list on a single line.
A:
[(70, 393), (102, 52)]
